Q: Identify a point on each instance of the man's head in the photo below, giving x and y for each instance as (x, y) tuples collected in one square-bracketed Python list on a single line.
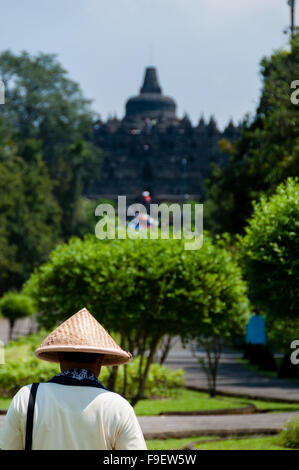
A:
[(73, 360), (82, 333)]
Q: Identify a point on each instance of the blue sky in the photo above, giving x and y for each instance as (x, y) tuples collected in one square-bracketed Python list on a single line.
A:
[(207, 51)]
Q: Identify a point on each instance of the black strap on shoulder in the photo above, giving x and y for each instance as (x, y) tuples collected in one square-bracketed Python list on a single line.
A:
[(30, 414)]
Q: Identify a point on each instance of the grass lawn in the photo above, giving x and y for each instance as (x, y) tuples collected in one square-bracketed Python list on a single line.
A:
[(188, 400), (275, 406), (249, 443), (191, 400), (23, 347), (171, 444)]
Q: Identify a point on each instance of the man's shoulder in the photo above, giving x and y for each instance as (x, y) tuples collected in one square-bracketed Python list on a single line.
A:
[(23, 392), (19, 402), (115, 397)]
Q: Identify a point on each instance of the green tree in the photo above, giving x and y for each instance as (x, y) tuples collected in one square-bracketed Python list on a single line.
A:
[(29, 215), (281, 332), (13, 306), (129, 285), (267, 151), (269, 252), (215, 304), (141, 290)]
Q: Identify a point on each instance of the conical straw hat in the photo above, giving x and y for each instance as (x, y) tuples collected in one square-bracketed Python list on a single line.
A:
[(82, 333)]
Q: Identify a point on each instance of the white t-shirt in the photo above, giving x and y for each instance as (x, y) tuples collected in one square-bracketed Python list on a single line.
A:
[(72, 418)]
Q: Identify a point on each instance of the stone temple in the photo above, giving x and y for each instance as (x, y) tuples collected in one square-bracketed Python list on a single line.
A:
[(151, 149)]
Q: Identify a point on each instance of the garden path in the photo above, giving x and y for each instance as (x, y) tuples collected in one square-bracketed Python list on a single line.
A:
[(233, 378), (159, 427)]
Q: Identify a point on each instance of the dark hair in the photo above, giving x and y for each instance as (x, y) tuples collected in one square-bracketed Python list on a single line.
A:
[(79, 357)]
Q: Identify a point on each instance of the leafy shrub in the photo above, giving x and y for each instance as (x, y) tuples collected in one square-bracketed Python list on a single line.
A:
[(23, 368), (144, 290), (161, 381), (290, 433), (269, 252)]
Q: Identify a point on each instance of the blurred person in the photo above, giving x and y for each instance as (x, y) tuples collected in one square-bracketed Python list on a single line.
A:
[(146, 197)]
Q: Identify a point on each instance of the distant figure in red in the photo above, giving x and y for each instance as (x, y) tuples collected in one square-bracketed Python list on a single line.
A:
[(146, 197)]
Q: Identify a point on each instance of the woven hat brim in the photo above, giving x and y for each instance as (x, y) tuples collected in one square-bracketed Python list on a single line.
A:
[(111, 357)]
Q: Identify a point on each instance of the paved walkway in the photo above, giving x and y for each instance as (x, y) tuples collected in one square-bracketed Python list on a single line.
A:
[(159, 427), (233, 377)]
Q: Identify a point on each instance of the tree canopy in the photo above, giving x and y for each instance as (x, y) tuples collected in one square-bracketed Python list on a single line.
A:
[(29, 214), (142, 290), (47, 161), (44, 105), (267, 151), (269, 251), (14, 305)]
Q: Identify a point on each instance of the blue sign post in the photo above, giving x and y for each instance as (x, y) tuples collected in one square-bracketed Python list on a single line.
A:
[(256, 330)]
